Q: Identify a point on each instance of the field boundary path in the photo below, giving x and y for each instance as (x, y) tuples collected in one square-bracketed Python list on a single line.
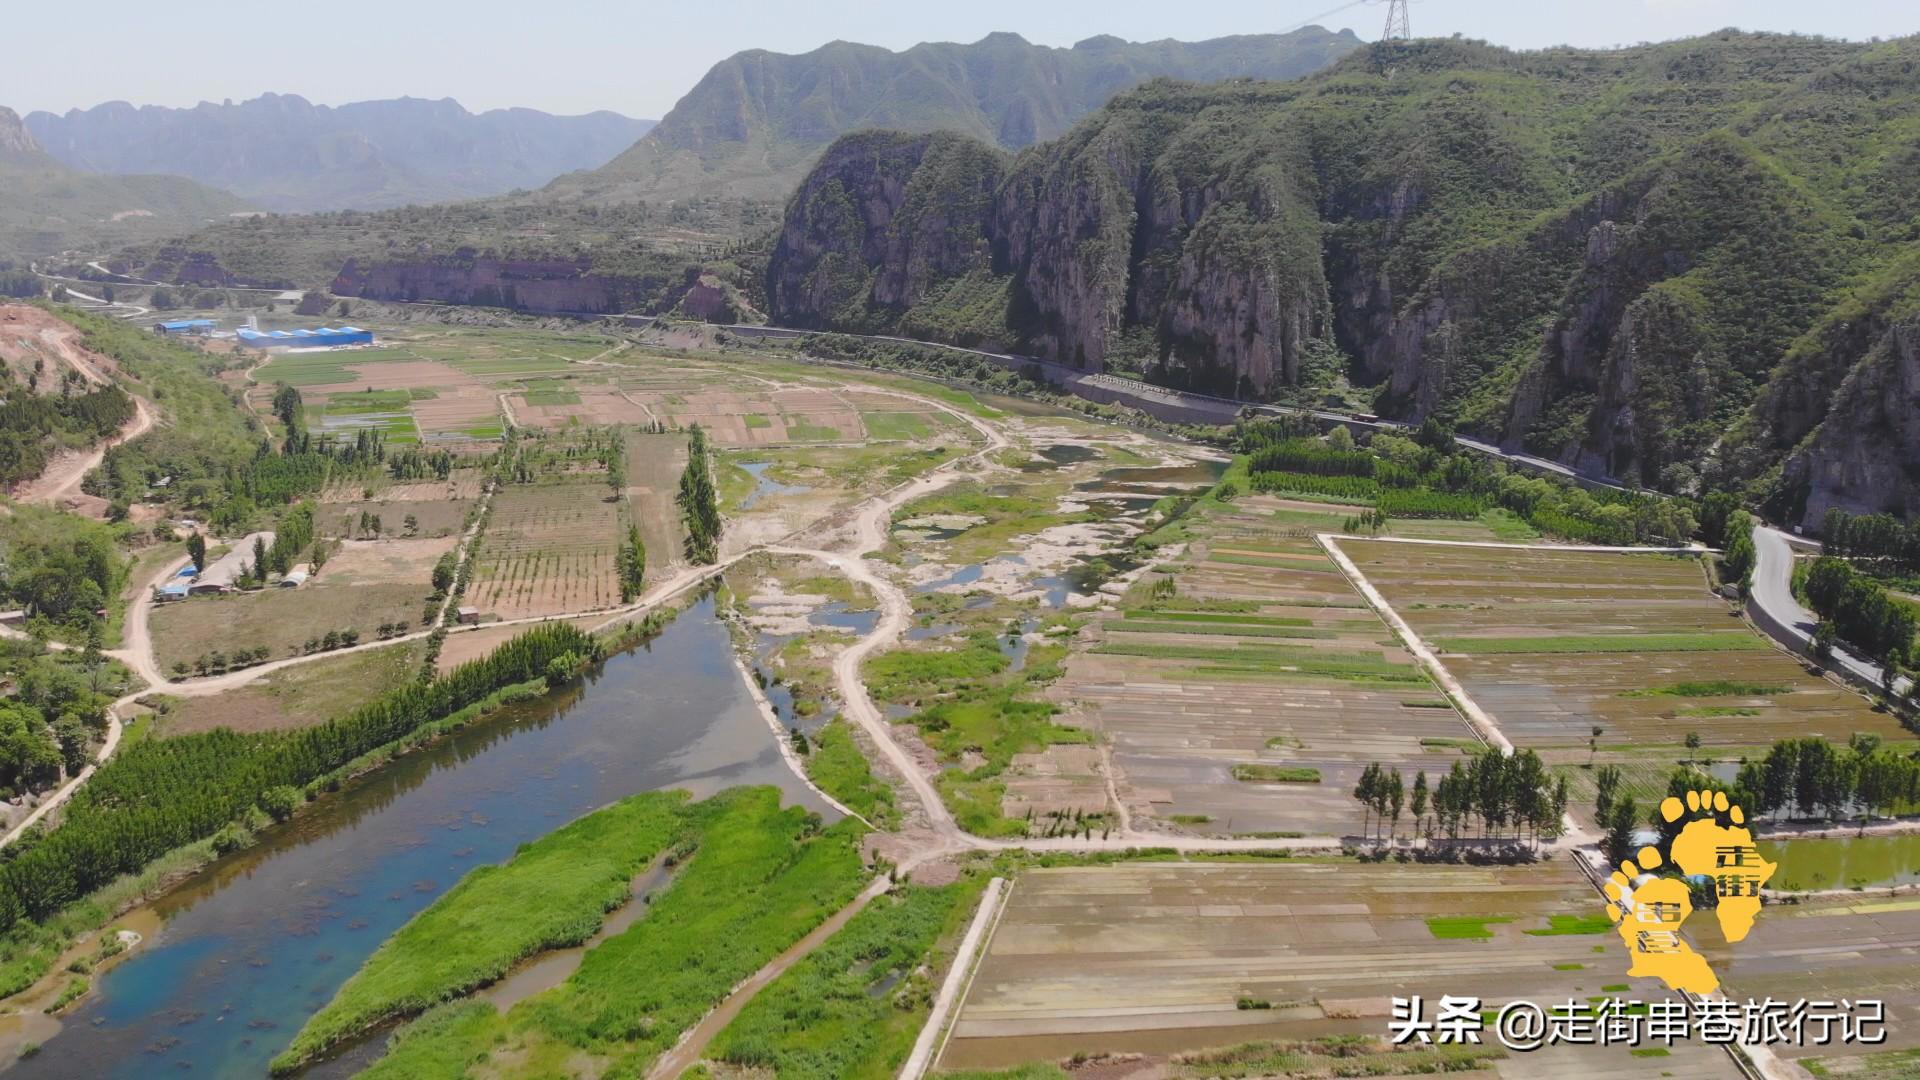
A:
[(932, 1039)]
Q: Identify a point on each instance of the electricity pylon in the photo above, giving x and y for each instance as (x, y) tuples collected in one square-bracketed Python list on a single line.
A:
[(1398, 28)]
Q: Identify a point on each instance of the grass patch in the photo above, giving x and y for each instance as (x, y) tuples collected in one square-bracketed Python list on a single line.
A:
[(829, 1018), (1191, 819), (1274, 562), (1569, 967), (1464, 927), (803, 431), (553, 893), (755, 421), (897, 426), (1426, 703), (841, 770), (1467, 746), (1232, 618), (1562, 925), (1333, 1055), (760, 879), (1650, 1052), (1264, 658), (1717, 710), (1713, 688), (1141, 626), (551, 397), (1704, 641), (1276, 774), (1615, 988)]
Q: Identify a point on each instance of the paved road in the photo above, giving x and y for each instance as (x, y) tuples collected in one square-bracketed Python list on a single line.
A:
[(1783, 616)]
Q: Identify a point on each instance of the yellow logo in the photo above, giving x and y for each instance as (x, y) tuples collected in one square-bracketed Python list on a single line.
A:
[(1649, 913)]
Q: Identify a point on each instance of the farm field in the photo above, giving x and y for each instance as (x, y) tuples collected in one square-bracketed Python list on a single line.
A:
[(1156, 959), (297, 696), (1832, 948), (438, 507), (1552, 642), (1254, 660), (282, 620), (654, 465), (549, 549)]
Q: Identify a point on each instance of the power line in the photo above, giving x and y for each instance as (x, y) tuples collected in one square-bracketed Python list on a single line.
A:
[(1309, 21)]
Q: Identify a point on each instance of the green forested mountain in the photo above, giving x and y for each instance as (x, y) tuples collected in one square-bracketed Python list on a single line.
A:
[(46, 206), (1659, 263), (758, 119)]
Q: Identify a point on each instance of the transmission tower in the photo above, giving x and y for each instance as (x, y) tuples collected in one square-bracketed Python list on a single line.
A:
[(1398, 28)]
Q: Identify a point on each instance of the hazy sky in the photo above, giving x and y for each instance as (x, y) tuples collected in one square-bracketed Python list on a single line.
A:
[(573, 56)]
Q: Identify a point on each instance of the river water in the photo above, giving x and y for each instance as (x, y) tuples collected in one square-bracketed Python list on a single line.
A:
[(260, 940)]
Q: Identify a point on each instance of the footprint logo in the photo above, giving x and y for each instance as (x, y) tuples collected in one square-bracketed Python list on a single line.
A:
[(1648, 911)]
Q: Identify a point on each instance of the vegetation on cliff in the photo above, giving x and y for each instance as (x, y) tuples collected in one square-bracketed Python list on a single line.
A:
[(1615, 258)]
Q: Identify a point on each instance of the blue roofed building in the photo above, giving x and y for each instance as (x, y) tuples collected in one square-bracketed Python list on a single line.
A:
[(185, 326), (324, 338)]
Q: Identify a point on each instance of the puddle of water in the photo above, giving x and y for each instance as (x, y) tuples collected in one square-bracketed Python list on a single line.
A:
[(1843, 862), (1057, 456), (259, 941), (764, 486)]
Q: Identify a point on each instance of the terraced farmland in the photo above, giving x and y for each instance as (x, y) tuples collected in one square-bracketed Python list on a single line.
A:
[(1265, 656), (1162, 959), (549, 549)]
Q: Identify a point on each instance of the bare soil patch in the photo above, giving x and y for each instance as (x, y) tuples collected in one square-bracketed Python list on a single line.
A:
[(281, 619)]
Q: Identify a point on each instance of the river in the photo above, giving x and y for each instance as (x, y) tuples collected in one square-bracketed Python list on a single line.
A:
[(260, 940)]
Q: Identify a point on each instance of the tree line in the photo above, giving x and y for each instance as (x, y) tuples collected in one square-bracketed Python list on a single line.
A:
[(1429, 476), (699, 503), (162, 793), (1879, 538), (1493, 793), (1858, 610)]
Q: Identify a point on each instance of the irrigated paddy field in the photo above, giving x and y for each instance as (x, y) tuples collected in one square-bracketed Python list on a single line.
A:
[(1554, 642), (1246, 689), (1162, 959)]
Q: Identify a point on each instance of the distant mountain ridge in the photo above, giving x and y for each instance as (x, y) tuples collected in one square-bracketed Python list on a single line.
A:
[(46, 206), (758, 120), (285, 153)]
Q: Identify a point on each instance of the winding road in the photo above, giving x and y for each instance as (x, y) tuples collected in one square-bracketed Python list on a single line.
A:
[(1776, 610)]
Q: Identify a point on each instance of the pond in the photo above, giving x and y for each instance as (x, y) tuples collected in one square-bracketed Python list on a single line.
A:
[(1843, 862), (251, 947), (764, 486)]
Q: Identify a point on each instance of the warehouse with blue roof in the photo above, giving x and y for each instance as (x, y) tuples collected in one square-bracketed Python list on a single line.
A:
[(186, 326), (325, 337)]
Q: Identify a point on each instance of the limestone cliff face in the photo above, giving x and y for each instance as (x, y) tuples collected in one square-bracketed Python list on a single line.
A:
[(1106, 234), (883, 220), (1863, 456), (1645, 263)]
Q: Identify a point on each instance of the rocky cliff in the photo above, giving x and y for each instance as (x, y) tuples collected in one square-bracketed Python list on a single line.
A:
[(1638, 261), (1865, 456)]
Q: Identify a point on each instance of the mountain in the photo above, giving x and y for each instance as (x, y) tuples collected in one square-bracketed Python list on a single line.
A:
[(1671, 263), (757, 120), (46, 206), (285, 153)]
